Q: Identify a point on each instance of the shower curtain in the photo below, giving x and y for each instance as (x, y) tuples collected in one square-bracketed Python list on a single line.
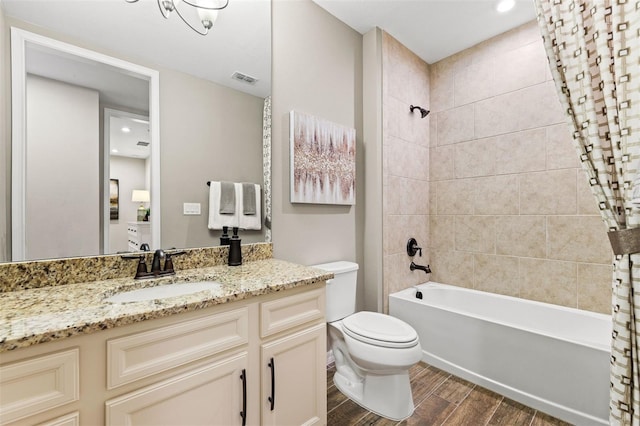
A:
[(594, 52), (266, 166)]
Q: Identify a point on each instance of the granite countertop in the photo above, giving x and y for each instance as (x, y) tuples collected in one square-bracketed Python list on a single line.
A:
[(29, 317)]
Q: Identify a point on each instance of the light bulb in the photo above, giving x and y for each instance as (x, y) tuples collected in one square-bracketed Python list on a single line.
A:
[(208, 17), (505, 5)]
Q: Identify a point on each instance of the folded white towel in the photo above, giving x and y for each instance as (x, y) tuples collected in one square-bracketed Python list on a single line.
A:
[(253, 221), (217, 220)]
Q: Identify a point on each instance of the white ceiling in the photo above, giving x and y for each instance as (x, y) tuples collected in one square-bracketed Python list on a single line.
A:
[(239, 41), (432, 29)]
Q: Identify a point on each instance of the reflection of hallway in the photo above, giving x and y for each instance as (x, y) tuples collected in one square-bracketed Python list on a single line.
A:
[(440, 399)]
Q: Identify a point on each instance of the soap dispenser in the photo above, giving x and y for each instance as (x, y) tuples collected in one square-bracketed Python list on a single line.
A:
[(224, 238), (235, 250)]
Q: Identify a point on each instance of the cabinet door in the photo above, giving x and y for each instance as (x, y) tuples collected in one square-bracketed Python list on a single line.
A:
[(294, 379), (208, 395)]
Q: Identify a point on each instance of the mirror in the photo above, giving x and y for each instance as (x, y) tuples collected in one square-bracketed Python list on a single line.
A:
[(209, 125)]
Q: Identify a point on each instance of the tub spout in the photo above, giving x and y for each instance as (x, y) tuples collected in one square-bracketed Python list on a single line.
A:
[(426, 269)]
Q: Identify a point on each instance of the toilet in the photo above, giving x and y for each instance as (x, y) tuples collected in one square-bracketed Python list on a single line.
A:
[(373, 352)]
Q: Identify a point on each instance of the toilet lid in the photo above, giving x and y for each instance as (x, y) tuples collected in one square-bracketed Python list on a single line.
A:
[(380, 330)]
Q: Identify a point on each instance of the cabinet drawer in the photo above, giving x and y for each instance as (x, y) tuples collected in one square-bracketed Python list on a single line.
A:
[(39, 384), (72, 419), (143, 354), (281, 314)]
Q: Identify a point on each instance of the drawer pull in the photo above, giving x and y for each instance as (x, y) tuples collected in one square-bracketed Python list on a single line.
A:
[(243, 413), (272, 398)]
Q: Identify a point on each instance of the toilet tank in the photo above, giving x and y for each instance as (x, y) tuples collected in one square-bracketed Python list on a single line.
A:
[(341, 290)]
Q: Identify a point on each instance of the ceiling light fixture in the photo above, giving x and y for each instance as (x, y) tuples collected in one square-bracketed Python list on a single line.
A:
[(505, 5), (207, 11), (125, 130)]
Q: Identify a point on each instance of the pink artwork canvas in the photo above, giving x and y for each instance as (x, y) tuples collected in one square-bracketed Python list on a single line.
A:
[(323, 161)]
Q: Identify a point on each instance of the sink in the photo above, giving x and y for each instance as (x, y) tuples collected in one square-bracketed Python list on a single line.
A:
[(163, 291)]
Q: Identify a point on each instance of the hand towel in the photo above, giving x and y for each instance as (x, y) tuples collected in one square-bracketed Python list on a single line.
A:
[(217, 220), (247, 221), (248, 198), (227, 198)]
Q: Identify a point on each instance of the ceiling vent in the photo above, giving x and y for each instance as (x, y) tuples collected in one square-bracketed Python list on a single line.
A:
[(244, 78), (142, 143)]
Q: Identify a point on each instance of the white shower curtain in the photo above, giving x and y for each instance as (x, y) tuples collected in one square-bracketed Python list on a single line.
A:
[(594, 52)]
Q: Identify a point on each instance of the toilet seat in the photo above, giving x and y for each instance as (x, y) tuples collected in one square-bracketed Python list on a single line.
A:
[(379, 330)]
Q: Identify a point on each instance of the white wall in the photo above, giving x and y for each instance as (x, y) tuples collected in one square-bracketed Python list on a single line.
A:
[(317, 69), (5, 150), (131, 174), (63, 199)]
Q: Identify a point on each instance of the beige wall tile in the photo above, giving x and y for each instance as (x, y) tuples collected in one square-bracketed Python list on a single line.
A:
[(442, 232), (474, 83), (532, 114), (496, 274), (549, 281), (405, 196), (441, 85), (594, 287), (399, 228), (587, 202), (578, 238), (433, 198), (401, 123), (560, 151), (497, 115), (441, 162), (404, 72), (433, 129), (523, 236), (407, 159), (497, 195), (475, 158), (475, 233), (455, 125), (519, 68), (520, 152), (519, 110), (455, 196), (452, 267), (550, 192)]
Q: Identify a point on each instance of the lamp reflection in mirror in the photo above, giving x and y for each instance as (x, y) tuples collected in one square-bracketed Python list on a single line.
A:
[(141, 196), (207, 11)]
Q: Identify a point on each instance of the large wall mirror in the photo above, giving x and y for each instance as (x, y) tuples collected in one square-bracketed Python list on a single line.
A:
[(119, 66)]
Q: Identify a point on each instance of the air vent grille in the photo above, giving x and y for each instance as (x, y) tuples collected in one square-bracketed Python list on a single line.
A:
[(142, 143), (244, 78)]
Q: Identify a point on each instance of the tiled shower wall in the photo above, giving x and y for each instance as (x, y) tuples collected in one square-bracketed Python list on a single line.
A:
[(510, 209), (405, 165)]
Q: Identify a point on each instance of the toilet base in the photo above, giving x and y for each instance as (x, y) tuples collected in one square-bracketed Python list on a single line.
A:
[(385, 395)]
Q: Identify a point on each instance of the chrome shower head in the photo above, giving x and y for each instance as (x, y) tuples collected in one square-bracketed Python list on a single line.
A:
[(423, 112)]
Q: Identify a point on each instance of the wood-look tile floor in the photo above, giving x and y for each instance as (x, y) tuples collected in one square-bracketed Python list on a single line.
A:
[(440, 399)]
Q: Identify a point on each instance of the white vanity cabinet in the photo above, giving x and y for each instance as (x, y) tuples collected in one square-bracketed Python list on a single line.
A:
[(207, 366), (293, 385), (138, 233)]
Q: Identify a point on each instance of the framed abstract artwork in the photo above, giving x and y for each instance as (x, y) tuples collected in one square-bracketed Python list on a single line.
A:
[(323, 161), (114, 202)]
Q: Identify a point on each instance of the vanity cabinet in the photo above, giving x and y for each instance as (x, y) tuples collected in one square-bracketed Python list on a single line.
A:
[(138, 233), (293, 385), (209, 366)]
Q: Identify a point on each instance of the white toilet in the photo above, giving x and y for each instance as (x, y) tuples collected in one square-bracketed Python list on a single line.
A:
[(373, 352)]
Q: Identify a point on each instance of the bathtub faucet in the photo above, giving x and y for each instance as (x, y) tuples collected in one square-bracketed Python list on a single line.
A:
[(426, 269)]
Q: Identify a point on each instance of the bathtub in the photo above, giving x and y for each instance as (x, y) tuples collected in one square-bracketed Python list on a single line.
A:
[(547, 357)]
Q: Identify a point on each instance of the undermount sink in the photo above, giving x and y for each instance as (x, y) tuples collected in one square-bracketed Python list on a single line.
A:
[(163, 291)]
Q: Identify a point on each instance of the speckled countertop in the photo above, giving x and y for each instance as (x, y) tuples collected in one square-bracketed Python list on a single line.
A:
[(32, 316)]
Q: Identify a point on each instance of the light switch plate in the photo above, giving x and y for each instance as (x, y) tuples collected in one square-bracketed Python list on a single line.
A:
[(191, 209)]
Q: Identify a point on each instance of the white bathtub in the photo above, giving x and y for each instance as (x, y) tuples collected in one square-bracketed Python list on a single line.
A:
[(548, 357)]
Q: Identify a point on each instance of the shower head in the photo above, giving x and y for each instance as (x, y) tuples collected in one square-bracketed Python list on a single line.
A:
[(423, 112)]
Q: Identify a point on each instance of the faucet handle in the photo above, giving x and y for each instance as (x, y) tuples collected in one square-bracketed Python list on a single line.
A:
[(412, 247), (142, 265), (168, 262)]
